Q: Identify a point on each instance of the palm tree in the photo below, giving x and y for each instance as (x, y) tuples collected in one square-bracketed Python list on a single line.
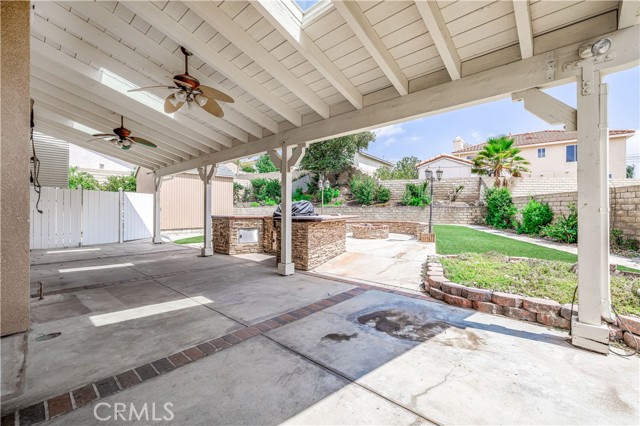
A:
[(498, 156)]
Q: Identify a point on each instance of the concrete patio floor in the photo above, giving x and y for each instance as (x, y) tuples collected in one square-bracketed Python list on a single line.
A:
[(344, 354), (396, 261)]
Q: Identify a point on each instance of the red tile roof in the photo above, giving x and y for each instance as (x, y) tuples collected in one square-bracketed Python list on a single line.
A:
[(543, 137), (449, 156)]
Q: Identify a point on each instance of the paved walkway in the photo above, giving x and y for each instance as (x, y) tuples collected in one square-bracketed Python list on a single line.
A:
[(396, 261), (618, 260), (225, 340)]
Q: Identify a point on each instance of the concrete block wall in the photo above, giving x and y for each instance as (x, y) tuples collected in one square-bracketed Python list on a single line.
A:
[(546, 185), (624, 203), (441, 189)]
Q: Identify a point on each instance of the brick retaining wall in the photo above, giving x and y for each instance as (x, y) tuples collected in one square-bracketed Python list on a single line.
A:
[(624, 205)]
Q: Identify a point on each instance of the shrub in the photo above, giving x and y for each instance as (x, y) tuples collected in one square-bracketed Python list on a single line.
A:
[(618, 241), (270, 202), (416, 195), (366, 191), (298, 195), (264, 189), (500, 209), (535, 216), (565, 229), (329, 195), (255, 204), (247, 168), (238, 191), (114, 183)]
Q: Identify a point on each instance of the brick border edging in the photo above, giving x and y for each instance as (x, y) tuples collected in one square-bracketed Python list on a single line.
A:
[(533, 309), (89, 393)]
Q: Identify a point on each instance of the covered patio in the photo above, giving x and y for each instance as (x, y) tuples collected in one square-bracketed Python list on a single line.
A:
[(296, 78), (226, 340)]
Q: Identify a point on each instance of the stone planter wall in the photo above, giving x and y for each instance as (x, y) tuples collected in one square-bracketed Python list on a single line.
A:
[(395, 227), (544, 311), (369, 231)]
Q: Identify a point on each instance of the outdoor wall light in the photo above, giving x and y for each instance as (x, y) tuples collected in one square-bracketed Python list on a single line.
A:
[(600, 47)]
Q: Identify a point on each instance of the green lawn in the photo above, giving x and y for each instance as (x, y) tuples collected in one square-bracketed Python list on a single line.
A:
[(191, 240), (451, 239)]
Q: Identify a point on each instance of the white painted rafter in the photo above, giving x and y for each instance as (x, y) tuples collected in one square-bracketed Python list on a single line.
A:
[(358, 22), (432, 17), (628, 13), (240, 109), (163, 22), (109, 44), (238, 36), (279, 16), (522, 13)]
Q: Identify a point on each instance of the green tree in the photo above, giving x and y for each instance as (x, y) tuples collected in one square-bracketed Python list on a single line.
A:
[(114, 183), (247, 168), (403, 169), (83, 179), (265, 165), (497, 157), (630, 171), (335, 155)]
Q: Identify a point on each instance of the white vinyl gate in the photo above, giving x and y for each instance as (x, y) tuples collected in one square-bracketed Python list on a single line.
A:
[(76, 217)]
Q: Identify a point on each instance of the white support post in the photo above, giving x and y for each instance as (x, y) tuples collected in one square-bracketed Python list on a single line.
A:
[(120, 216), (593, 213), (157, 238), (286, 266), (206, 174)]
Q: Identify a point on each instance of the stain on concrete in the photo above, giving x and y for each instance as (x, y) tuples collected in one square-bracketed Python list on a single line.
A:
[(339, 337), (402, 325)]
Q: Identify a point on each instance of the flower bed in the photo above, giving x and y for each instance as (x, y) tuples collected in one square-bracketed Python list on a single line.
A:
[(534, 309)]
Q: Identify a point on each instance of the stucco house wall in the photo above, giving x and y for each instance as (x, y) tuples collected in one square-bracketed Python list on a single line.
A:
[(450, 168)]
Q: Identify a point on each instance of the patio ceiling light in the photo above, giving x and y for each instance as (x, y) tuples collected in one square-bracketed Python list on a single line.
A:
[(600, 47)]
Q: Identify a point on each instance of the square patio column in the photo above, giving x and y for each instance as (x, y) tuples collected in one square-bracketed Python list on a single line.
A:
[(286, 266), (594, 298), (157, 238), (14, 166), (206, 174)]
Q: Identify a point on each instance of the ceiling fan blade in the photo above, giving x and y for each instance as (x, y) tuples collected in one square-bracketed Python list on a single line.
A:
[(169, 107), (212, 107), (98, 139), (212, 93), (141, 89), (143, 141), (102, 135)]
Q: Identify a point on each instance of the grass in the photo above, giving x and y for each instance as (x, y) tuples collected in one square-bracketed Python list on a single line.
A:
[(451, 239), (536, 278), (191, 240), (625, 269)]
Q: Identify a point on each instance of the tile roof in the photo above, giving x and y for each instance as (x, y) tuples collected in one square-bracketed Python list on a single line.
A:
[(448, 156), (542, 137)]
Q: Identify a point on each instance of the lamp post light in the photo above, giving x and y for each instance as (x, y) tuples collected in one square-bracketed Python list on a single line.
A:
[(322, 185), (429, 176)]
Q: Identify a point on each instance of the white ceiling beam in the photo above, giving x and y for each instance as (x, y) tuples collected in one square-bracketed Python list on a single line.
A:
[(75, 137), (358, 22), (108, 44), (492, 84), (240, 113), (238, 36), (522, 13), (71, 70), (278, 15), (628, 13), (548, 108), (154, 16), (67, 110), (86, 101), (432, 17)]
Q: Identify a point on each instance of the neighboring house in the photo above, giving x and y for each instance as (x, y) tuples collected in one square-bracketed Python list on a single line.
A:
[(633, 155), (368, 163), (100, 166), (554, 153), (182, 196), (452, 167)]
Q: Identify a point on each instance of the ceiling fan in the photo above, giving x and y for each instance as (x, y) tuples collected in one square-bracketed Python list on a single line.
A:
[(188, 89), (121, 137)]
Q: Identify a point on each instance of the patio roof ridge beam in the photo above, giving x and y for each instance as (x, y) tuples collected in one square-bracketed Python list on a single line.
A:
[(522, 12), (182, 36), (233, 32), (278, 15), (358, 22), (432, 17), (492, 84), (59, 88), (95, 36), (240, 113), (72, 72)]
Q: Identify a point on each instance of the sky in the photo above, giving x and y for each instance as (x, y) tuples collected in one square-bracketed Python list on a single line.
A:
[(430, 136)]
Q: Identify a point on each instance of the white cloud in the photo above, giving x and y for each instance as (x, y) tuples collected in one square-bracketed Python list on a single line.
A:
[(385, 132)]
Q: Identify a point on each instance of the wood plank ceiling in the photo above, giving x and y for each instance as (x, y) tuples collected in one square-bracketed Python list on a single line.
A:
[(284, 68)]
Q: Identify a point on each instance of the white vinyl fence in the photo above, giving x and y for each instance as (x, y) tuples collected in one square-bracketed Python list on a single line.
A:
[(76, 217)]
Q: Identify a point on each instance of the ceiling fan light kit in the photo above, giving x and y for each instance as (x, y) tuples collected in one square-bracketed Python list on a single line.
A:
[(121, 137), (188, 89)]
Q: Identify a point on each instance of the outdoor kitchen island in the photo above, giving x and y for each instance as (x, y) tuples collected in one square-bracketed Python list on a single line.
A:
[(315, 239)]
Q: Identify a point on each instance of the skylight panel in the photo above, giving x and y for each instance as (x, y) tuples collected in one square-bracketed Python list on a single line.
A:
[(123, 86), (305, 5)]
